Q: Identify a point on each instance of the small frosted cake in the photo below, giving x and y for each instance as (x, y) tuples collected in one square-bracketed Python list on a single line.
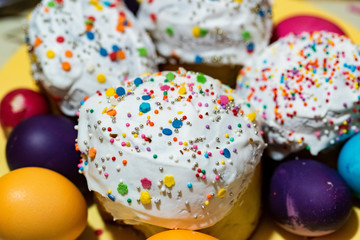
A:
[(173, 150), (213, 37), (306, 89), (79, 46)]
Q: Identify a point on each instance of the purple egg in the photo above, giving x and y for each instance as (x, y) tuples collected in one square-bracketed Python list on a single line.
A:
[(46, 141), (309, 198)]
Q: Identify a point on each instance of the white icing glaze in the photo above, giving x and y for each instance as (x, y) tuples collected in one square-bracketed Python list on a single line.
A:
[(150, 153), (216, 32), (316, 78), (53, 19)]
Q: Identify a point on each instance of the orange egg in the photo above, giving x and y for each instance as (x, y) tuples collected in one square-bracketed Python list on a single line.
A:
[(181, 235), (36, 203)]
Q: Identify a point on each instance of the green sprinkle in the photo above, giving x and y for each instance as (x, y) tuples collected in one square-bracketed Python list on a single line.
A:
[(203, 171), (248, 104), (91, 110), (122, 189), (231, 139), (170, 76), (142, 52), (203, 32), (155, 156), (308, 147), (169, 31), (88, 21), (128, 200), (239, 125), (51, 4), (201, 78), (265, 106), (151, 80), (246, 35)]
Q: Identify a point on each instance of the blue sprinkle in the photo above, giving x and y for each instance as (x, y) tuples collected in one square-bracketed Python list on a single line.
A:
[(27, 39), (81, 168), (261, 13), (250, 47), (86, 163), (82, 102), (120, 91), (167, 131), (226, 153), (177, 124), (138, 81), (144, 107), (198, 59), (189, 185), (90, 35), (282, 79), (314, 71), (146, 97), (115, 48), (112, 197), (359, 97), (206, 155), (103, 52)]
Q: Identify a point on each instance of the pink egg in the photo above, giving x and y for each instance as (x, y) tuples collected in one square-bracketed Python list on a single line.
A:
[(20, 104), (304, 23)]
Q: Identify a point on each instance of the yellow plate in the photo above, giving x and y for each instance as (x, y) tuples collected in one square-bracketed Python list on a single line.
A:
[(16, 73)]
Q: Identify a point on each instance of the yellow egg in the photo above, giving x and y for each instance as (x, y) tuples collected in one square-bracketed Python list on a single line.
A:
[(181, 235), (36, 203)]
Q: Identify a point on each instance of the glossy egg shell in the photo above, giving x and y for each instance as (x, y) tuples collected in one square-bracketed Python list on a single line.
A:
[(36, 203), (181, 235), (304, 23), (46, 141), (20, 104), (309, 198), (349, 163)]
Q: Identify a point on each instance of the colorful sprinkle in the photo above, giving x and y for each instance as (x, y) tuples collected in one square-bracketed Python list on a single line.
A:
[(145, 198), (169, 181)]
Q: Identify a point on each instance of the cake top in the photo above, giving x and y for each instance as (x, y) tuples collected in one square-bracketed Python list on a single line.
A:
[(80, 46), (306, 88), (172, 149), (212, 32)]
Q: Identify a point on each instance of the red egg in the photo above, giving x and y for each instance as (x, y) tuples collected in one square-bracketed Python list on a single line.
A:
[(20, 104)]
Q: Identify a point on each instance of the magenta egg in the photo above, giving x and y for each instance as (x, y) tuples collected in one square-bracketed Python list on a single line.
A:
[(309, 198), (304, 23)]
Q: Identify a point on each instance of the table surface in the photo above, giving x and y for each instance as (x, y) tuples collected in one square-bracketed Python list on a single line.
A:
[(15, 72)]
